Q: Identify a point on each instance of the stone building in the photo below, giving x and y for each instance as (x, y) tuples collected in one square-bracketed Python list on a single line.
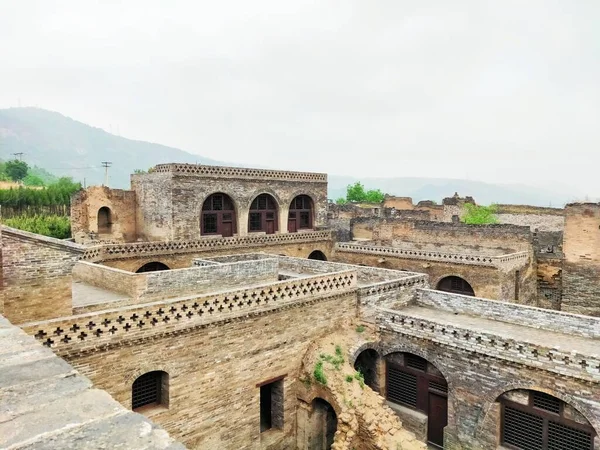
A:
[(283, 338)]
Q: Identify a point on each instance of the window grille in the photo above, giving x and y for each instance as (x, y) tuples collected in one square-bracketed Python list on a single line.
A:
[(401, 387), (541, 426), (546, 402), (146, 390), (210, 223), (522, 430), (441, 387), (415, 362), (255, 222)]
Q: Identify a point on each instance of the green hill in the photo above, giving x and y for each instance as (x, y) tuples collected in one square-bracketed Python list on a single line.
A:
[(66, 147)]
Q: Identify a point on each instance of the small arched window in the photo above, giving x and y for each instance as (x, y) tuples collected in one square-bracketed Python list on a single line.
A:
[(263, 215), (153, 266), (150, 389), (104, 220), (301, 214)]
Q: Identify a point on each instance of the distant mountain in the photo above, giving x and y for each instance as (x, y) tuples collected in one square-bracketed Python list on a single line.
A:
[(438, 188), (66, 147)]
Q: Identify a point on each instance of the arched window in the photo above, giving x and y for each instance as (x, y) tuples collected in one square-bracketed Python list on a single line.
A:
[(218, 216), (263, 215), (301, 214), (153, 266), (150, 389), (412, 382), (455, 285), (324, 425), (318, 255), (104, 220), (534, 420)]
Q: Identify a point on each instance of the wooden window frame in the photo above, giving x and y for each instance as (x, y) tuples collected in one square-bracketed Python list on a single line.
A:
[(264, 205), (221, 214), (546, 416), (307, 207)]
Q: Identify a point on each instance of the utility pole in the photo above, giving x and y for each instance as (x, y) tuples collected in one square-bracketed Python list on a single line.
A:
[(106, 165), (19, 155)]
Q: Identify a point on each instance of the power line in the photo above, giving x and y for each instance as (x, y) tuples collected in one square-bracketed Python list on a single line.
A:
[(106, 165), (18, 154)]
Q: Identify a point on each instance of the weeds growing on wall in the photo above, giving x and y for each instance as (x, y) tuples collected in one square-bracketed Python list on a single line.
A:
[(480, 215), (54, 226), (319, 374)]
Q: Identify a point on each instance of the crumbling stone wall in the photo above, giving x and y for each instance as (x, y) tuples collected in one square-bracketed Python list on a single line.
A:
[(537, 218), (85, 205), (581, 267)]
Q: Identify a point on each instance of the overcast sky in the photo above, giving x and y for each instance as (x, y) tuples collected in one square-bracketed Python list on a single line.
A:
[(503, 91)]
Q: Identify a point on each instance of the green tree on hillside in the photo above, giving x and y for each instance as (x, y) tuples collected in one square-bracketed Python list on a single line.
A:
[(16, 170), (480, 215)]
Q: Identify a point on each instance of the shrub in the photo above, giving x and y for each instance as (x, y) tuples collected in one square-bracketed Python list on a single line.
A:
[(318, 373), (54, 226), (360, 328), (349, 378), (480, 215)]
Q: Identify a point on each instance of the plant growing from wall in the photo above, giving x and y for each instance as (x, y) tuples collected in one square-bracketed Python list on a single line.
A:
[(356, 193), (479, 214), (319, 374)]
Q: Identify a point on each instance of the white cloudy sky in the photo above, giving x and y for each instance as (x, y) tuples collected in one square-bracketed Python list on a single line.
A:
[(481, 89)]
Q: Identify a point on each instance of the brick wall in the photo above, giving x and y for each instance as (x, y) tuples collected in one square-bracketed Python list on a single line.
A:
[(36, 273), (214, 372), (162, 196), (581, 268), (85, 205)]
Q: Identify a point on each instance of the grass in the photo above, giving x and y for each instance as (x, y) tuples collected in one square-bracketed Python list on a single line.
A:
[(360, 328), (318, 373)]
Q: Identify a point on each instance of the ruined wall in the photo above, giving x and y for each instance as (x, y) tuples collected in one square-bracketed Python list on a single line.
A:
[(535, 217), (214, 372), (170, 198), (85, 205), (507, 237), (36, 272), (581, 268)]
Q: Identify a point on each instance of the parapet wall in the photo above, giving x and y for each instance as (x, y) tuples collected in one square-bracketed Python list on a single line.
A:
[(46, 403), (528, 316), (36, 272)]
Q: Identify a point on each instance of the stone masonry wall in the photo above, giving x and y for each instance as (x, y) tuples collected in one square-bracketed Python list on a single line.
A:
[(147, 286), (214, 372), (36, 276), (581, 268), (85, 205), (165, 196)]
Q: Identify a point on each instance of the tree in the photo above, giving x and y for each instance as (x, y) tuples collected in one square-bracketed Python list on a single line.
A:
[(16, 170), (479, 215), (341, 201), (356, 193), (33, 180)]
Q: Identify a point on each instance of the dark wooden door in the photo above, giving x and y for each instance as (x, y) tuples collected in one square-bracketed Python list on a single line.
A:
[(227, 229), (437, 419), (270, 226), (292, 226)]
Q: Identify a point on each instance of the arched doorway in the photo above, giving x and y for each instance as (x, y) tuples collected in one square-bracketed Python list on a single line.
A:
[(323, 425), (455, 285), (536, 420), (318, 255), (263, 215), (366, 363), (104, 220), (153, 266), (301, 214), (218, 216), (412, 382)]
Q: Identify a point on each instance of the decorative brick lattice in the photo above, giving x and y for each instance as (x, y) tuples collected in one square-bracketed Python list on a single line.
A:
[(118, 251), (572, 364), (504, 262), (168, 316), (238, 172)]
